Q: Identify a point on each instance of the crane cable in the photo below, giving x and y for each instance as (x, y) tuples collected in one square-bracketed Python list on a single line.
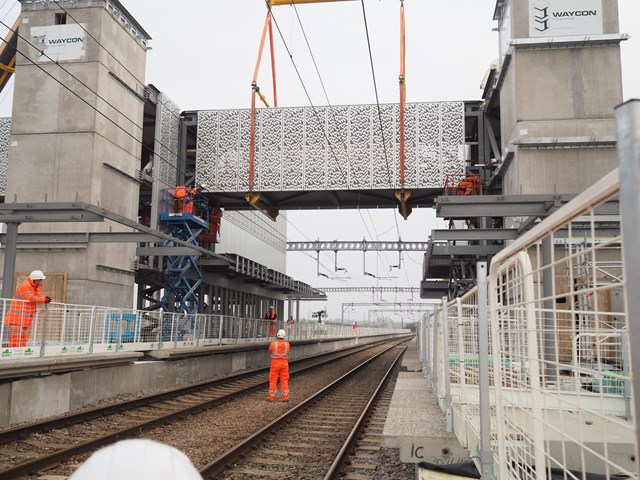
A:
[(255, 90)]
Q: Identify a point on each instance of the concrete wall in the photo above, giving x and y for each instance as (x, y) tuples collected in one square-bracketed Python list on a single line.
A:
[(557, 91), (59, 145), (30, 399)]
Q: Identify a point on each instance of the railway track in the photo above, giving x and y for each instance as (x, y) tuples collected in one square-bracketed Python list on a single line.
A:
[(35, 447), (314, 439)]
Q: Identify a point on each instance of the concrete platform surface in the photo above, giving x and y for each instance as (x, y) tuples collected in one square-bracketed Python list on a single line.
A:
[(416, 426), (26, 367), (410, 361)]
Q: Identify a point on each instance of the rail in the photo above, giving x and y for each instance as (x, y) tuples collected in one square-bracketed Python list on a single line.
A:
[(63, 329)]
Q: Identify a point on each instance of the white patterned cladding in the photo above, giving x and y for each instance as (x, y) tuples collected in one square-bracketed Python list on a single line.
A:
[(292, 151), (5, 132), (168, 144)]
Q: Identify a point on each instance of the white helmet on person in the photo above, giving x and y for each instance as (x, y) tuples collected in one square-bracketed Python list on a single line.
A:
[(138, 459), (37, 275), (281, 334)]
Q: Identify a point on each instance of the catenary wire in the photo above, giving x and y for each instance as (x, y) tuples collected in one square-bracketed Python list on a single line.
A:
[(86, 102), (326, 96), (306, 91), (375, 87), (112, 56)]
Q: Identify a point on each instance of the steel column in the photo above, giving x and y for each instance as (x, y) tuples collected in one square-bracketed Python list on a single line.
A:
[(628, 130), (548, 292), (448, 412), (9, 270), (486, 460)]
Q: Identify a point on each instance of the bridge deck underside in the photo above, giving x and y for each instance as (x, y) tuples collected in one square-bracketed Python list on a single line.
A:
[(326, 199), (330, 157)]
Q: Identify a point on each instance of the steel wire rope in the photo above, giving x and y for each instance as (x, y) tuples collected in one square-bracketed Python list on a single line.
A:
[(85, 101), (278, 235), (372, 237), (326, 96), (304, 87), (375, 87), (121, 64), (384, 253)]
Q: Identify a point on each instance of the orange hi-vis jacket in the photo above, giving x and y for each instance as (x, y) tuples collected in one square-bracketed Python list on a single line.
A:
[(21, 312), (270, 320), (279, 368)]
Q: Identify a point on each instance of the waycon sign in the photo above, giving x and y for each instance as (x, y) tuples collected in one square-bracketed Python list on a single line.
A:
[(555, 18), (59, 42)]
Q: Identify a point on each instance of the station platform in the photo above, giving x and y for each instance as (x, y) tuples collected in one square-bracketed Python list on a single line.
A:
[(35, 388), (415, 423)]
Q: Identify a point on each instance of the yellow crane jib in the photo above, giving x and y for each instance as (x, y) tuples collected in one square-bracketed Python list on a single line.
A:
[(255, 200), (403, 196), (6, 68), (276, 3)]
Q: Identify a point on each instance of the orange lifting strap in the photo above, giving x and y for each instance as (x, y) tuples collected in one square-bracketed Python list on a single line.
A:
[(402, 195), (255, 90), (403, 92)]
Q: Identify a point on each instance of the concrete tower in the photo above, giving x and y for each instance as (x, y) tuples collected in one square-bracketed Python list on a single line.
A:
[(560, 81), (75, 136)]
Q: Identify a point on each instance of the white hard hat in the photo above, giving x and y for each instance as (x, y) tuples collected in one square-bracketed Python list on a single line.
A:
[(37, 275), (271, 307), (280, 334), (137, 459)]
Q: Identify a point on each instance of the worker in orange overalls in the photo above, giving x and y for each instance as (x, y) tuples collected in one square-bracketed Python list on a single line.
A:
[(279, 368), (23, 308), (271, 318), (185, 196), (354, 329), (469, 186)]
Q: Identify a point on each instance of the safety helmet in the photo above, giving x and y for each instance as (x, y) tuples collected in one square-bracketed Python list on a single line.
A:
[(280, 334), (37, 275), (271, 307), (138, 459)]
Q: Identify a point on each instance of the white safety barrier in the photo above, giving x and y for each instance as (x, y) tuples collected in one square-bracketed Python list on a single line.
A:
[(558, 389), (64, 329)]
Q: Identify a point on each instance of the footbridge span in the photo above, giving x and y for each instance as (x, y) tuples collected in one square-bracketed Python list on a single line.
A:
[(327, 157)]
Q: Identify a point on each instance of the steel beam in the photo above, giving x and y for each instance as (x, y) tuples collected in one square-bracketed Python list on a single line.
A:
[(475, 234), (357, 246), (371, 289), (388, 304), (465, 250), (499, 205), (166, 251), (89, 237)]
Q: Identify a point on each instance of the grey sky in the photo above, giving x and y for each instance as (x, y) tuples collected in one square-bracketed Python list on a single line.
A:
[(204, 53)]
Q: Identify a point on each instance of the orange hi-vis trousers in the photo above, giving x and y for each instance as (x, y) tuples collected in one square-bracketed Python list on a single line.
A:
[(279, 370), (279, 351)]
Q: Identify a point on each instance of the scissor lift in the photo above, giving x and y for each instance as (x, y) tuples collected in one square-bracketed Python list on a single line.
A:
[(182, 275)]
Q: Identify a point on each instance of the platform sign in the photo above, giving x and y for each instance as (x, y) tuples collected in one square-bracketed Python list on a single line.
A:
[(556, 18), (59, 42)]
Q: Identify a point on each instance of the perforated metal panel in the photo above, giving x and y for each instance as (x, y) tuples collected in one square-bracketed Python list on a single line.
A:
[(330, 148), (5, 131), (167, 147)]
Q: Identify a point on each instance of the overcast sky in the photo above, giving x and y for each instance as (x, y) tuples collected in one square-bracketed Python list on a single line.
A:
[(204, 53)]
